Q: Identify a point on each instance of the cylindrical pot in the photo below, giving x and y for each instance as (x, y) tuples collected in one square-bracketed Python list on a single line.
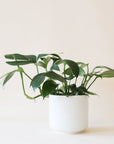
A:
[(68, 114)]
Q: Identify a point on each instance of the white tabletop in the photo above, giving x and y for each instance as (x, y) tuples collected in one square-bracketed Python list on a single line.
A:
[(39, 133)]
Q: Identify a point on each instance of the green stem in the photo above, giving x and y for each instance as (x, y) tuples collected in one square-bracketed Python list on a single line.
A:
[(27, 75), (92, 83), (83, 80), (66, 81), (85, 77), (24, 89), (37, 68), (76, 80), (38, 73), (88, 80)]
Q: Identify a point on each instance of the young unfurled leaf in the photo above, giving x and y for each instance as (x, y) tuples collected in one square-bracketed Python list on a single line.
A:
[(55, 76), (74, 67), (108, 74), (48, 87), (8, 77), (37, 81)]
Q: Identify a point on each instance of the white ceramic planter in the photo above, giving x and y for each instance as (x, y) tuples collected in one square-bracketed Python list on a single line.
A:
[(68, 114)]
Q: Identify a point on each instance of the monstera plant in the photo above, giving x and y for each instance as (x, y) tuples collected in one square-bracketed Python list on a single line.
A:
[(66, 82), (60, 76)]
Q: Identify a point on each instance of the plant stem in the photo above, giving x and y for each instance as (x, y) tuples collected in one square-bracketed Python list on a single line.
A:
[(76, 80), (84, 81), (38, 73), (37, 68), (27, 75), (92, 83), (88, 80), (65, 78), (24, 89)]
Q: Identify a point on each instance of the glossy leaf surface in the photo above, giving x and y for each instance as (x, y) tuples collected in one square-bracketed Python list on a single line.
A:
[(108, 74), (55, 76), (37, 81), (48, 87), (74, 67), (8, 77)]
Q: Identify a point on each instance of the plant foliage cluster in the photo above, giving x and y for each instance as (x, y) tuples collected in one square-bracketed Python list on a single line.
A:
[(60, 76)]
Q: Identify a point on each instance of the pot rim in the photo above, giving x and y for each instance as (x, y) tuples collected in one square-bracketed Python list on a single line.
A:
[(69, 96)]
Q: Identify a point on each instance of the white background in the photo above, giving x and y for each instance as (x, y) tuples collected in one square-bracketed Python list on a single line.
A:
[(82, 29)]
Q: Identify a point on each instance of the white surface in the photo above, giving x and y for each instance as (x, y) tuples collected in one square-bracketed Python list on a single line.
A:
[(39, 133), (68, 114)]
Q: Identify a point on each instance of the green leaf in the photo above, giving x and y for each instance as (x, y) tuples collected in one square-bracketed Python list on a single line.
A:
[(16, 63), (55, 76), (74, 67), (43, 55), (81, 71), (70, 77), (15, 56), (82, 65), (8, 77), (54, 59), (42, 64), (55, 67), (73, 88), (56, 55), (68, 71), (20, 59), (62, 88), (81, 90), (48, 87), (91, 93), (58, 62), (30, 58), (108, 74), (102, 67), (37, 81), (46, 60)]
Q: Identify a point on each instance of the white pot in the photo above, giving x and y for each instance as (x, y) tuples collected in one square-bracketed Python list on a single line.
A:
[(68, 114)]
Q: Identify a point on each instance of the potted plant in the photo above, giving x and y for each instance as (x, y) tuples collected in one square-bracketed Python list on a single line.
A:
[(65, 82)]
